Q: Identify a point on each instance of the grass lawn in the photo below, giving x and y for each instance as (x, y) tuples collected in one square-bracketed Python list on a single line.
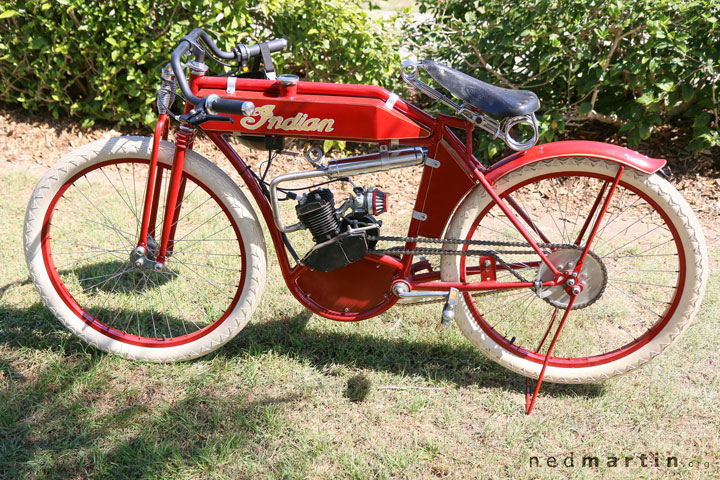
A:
[(298, 396)]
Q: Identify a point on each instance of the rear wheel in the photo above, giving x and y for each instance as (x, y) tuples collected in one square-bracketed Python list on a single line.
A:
[(81, 229), (643, 280)]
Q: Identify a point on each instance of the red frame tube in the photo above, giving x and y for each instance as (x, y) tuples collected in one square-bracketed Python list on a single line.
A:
[(506, 210), (475, 286), (586, 224), (529, 406), (157, 192), (176, 216), (152, 188), (176, 177)]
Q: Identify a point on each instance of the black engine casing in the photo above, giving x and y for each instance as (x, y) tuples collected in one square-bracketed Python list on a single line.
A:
[(338, 252), (335, 246)]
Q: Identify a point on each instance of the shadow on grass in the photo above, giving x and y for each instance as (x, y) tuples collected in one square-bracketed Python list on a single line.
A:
[(61, 417), (462, 365), (49, 424), (113, 276), (50, 427)]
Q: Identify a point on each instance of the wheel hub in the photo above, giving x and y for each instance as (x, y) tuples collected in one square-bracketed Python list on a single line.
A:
[(592, 278), (144, 258)]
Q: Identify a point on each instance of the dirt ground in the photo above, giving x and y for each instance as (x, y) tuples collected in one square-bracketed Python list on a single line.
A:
[(35, 142)]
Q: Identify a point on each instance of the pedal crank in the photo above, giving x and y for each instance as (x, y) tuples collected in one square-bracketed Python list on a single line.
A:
[(402, 290)]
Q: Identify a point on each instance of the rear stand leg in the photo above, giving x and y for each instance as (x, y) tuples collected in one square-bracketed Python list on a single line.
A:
[(530, 402)]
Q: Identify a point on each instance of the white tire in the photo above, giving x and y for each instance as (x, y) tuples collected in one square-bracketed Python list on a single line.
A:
[(97, 157), (687, 300)]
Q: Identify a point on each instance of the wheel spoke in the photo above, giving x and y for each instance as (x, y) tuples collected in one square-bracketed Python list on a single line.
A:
[(110, 223)]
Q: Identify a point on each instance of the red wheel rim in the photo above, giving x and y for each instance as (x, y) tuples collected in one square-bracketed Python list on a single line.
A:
[(105, 329), (594, 360)]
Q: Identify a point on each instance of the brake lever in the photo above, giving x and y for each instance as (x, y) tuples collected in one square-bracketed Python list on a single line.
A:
[(199, 115), (202, 117)]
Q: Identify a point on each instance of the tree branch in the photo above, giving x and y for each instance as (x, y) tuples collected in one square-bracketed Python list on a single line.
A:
[(613, 47), (611, 119)]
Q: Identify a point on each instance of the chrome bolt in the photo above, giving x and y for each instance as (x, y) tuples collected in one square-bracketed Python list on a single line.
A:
[(487, 263), (197, 68), (209, 101), (347, 309), (158, 267), (140, 251), (400, 288), (576, 290), (288, 80), (247, 108), (139, 262), (570, 282), (574, 274), (570, 265)]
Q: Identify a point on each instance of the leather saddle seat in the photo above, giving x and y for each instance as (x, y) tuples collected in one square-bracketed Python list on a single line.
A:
[(503, 102)]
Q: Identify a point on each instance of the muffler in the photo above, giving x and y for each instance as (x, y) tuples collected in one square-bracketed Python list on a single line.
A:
[(345, 167)]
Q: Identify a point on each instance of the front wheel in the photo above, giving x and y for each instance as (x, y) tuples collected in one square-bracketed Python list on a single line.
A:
[(643, 279), (81, 229)]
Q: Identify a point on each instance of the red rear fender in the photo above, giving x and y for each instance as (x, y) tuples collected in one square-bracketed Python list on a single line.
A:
[(575, 148)]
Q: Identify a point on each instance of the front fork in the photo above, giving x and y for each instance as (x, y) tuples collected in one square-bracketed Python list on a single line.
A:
[(173, 202)]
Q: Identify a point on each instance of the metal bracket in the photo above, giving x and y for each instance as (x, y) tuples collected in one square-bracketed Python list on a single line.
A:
[(315, 155), (419, 215), (487, 269), (230, 88), (431, 162), (390, 103)]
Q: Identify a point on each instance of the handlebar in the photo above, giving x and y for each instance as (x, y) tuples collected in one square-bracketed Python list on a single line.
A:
[(241, 52)]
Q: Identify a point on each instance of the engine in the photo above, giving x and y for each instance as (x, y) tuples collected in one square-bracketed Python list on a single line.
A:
[(340, 234)]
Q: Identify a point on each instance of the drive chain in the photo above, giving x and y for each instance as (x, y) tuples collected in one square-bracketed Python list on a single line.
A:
[(456, 241)]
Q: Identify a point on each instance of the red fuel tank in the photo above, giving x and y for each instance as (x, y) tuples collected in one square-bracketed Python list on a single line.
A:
[(361, 113)]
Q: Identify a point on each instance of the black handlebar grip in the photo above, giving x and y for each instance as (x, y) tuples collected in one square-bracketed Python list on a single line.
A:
[(273, 45), (236, 107)]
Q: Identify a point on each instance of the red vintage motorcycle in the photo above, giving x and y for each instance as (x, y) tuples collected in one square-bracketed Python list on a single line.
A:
[(144, 248)]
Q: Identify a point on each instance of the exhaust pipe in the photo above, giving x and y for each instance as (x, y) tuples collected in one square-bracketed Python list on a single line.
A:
[(345, 167)]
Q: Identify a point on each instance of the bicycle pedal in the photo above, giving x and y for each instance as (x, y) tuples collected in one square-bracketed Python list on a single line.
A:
[(448, 313)]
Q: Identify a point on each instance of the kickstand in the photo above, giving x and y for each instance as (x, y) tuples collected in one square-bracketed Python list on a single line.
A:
[(530, 402)]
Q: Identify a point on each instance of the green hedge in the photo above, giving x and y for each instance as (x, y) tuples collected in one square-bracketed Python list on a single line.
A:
[(99, 60), (634, 64)]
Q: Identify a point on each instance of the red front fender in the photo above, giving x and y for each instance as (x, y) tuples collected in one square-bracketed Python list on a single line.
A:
[(575, 148)]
